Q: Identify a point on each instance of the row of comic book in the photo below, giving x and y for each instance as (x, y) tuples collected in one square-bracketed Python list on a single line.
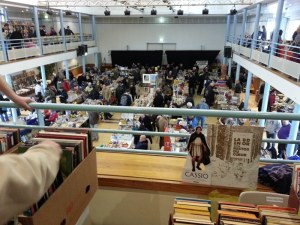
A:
[(76, 146), (188, 211)]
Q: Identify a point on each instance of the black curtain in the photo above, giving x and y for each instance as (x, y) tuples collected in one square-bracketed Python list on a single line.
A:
[(146, 58), (188, 58)]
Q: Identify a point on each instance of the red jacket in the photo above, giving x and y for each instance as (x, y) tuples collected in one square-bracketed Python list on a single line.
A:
[(271, 100), (53, 116), (66, 86)]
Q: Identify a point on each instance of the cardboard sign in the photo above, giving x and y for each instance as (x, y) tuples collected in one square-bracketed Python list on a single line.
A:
[(234, 158)]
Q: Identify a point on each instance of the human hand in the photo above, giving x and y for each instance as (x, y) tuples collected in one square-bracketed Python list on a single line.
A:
[(23, 102), (54, 145)]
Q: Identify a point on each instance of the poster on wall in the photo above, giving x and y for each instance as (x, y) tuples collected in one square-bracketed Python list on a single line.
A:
[(149, 78), (146, 78), (234, 153)]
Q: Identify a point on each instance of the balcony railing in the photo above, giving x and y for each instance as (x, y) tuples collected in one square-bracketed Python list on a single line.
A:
[(155, 111), (286, 58), (30, 47)]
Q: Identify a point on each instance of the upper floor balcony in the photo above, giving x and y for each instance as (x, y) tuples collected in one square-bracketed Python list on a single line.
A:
[(15, 49), (283, 58)]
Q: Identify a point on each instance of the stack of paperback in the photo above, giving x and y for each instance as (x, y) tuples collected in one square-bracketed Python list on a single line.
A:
[(9, 137), (191, 211), (274, 215), (237, 214), (75, 146)]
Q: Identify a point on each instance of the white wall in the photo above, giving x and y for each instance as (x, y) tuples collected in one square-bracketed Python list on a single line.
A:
[(136, 36)]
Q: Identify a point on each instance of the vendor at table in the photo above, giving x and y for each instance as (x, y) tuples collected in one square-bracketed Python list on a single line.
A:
[(143, 143)]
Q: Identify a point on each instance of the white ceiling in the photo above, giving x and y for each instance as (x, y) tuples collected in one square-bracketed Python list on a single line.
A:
[(143, 7), (164, 7)]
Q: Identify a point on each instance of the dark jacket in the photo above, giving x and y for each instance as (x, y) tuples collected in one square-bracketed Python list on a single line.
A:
[(238, 88), (206, 153), (158, 100), (94, 117), (142, 145)]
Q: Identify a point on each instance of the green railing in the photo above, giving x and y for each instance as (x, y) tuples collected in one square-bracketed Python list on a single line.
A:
[(156, 111)]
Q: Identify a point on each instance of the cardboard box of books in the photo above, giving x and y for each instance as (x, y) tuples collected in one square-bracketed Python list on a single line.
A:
[(227, 156), (75, 184)]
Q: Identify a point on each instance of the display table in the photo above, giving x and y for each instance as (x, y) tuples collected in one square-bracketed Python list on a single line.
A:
[(77, 121), (125, 141), (152, 172)]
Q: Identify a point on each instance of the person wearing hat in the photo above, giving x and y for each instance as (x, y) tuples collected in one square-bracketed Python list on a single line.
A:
[(198, 149)]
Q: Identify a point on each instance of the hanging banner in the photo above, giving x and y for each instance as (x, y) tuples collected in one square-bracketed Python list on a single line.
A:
[(234, 153)]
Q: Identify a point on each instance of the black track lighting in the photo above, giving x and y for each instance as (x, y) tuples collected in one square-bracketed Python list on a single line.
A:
[(107, 12), (205, 11), (153, 11), (233, 11), (180, 12), (127, 12)]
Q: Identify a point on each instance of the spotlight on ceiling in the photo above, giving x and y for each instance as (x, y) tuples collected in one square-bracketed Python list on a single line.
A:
[(107, 12), (49, 12), (127, 12), (153, 11), (205, 11), (233, 11), (68, 13), (180, 12)]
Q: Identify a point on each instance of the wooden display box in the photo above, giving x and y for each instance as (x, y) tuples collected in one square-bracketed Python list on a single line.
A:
[(68, 202)]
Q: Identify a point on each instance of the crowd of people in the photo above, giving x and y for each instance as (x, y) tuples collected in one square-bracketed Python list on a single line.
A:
[(261, 42), (21, 36)]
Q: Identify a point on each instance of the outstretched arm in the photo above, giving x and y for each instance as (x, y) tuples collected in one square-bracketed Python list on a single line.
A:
[(26, 177), (20, 101)]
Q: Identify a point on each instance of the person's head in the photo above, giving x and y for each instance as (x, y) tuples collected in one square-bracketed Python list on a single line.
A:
[(90, 84), (189, 105), (6, 26), (143, 138), (285, 122), (198, 129), (280, 32), (203, 100), (298, 30), (68, 27)]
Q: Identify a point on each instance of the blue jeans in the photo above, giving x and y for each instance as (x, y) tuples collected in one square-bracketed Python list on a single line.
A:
[(5, 117), (202, 120)]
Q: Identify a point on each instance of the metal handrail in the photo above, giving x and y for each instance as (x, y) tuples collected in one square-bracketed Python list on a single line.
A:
[(133, 132), (156, 111), (159, 111)]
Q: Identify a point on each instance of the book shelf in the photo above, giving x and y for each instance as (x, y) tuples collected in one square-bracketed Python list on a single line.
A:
[(66, 204)]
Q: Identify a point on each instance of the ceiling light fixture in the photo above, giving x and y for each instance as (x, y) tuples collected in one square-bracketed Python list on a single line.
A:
[(49, 11), (205, 11), (180, 12), (233, 11), (68, 12), (153, 11), (107, 12), (127, 12)]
